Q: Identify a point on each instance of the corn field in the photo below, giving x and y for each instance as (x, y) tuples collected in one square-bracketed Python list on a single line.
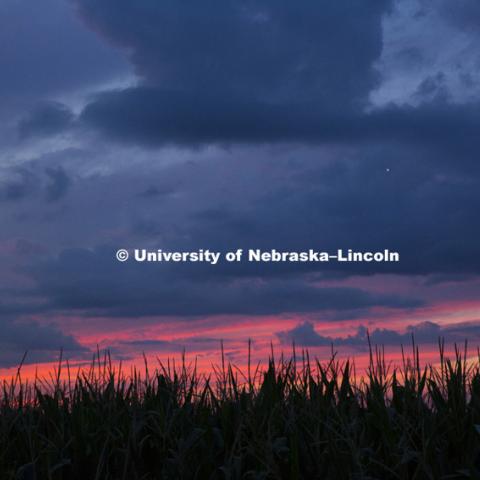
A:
[(296, 418)]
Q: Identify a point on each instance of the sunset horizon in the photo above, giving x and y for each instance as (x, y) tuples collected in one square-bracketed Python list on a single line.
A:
[(252, 173), (239, 239)]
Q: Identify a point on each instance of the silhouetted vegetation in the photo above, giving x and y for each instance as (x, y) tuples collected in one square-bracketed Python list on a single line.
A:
[(296, 419)]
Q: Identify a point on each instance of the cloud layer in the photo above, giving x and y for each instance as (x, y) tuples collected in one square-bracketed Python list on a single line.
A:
[(304, 335), (228, 124)]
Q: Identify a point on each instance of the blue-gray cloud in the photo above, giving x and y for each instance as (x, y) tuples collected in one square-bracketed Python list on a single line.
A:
[(251, 71), (44, 50), (267, 49), (95, 283), (58, 184), (26, 182), (42, 343), (229, 72), (47, 118), (304, 334)]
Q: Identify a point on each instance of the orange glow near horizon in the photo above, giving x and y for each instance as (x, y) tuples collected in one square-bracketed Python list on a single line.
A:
[(202, 337)]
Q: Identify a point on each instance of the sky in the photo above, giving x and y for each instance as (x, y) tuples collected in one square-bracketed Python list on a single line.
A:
[(229, 124)]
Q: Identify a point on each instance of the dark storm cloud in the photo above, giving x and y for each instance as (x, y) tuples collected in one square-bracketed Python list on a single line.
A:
[(304, 334), (41, 342), (20, 184), (227, 72), (438, 279), (381, 200), (58, 184), (269, 49), (92, 281), (44, 50), (432, 88), (237, 71), (154, 192), (280, 73), (47, 118), (464, 14), (34, 180), (153, 117)]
